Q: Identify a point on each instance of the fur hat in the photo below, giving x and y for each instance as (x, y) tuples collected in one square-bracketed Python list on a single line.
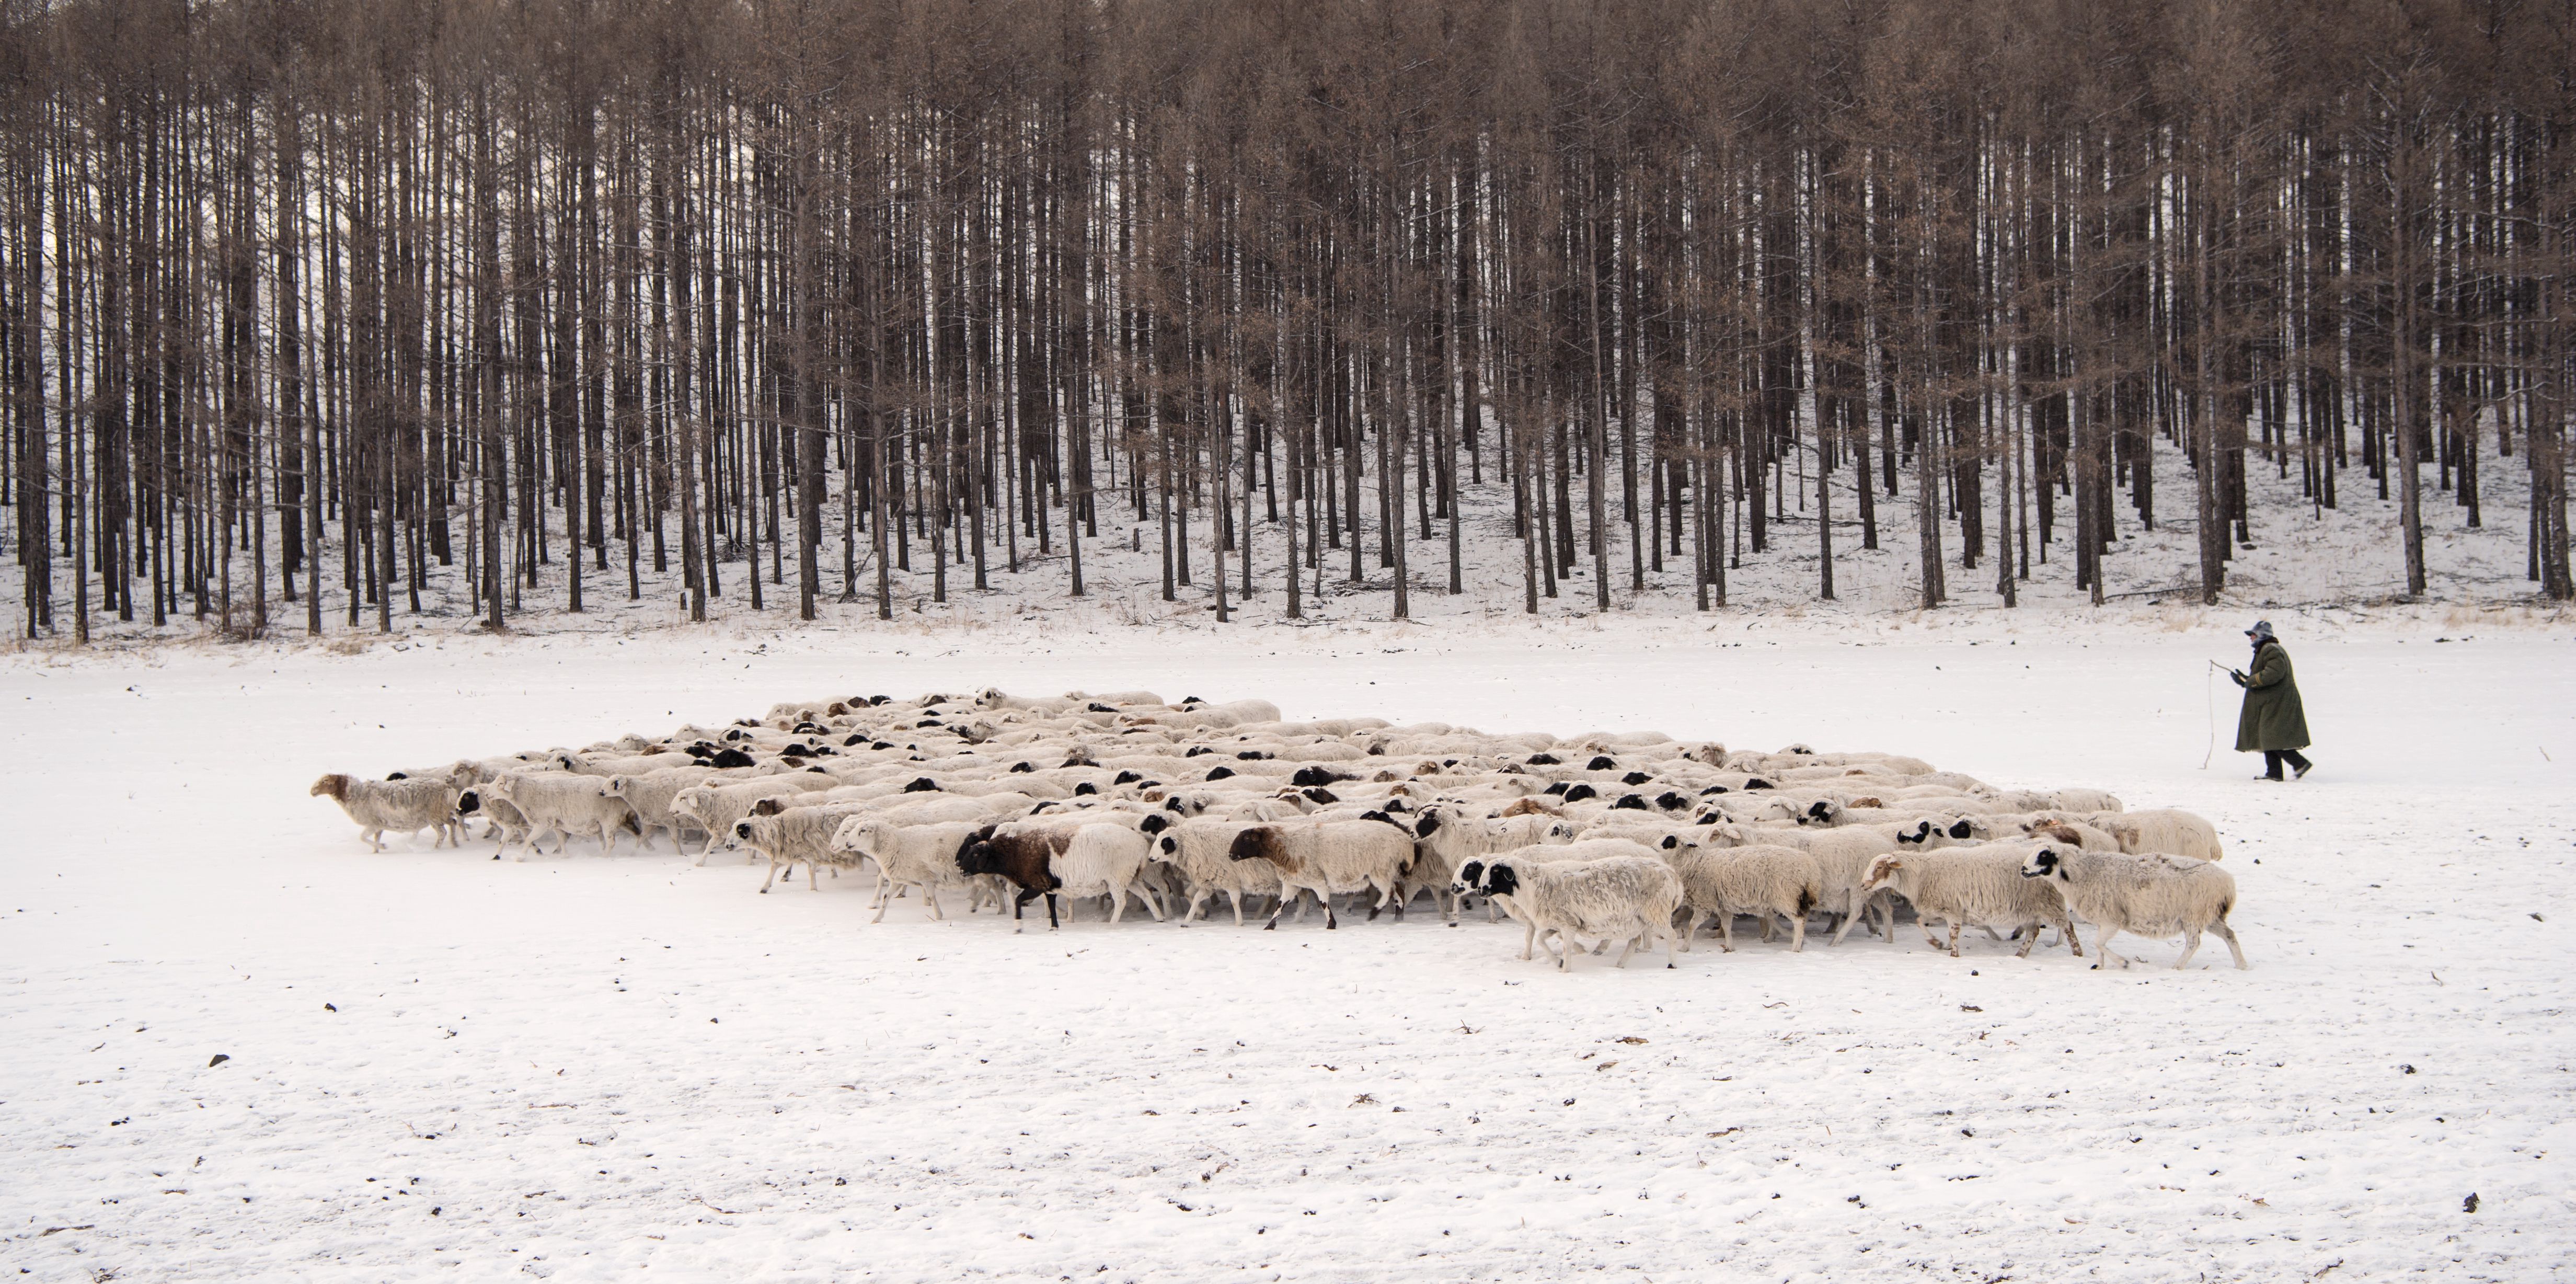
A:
[(2261, 632)]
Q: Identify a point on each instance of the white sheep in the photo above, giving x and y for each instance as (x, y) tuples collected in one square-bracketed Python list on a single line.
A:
[(797, 836), (2168, 830), (1619, 898), (1325, 857), (1199, 851), (395, 806), (713, 808), (1762, 880), (915, 856), (650, 796), (1979, 885), (2145, 895), (559, 803), (1471, 875), (1104, 860), (1447, 838)]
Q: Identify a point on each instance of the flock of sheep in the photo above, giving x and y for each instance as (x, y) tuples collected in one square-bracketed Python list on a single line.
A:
[(1604, 839)]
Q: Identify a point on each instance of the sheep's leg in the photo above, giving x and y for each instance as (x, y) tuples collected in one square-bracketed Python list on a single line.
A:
[(1797, 933), (1154, 903), (1955, 925), (1725, 915), (1629, 948), (1050, 900), (1688, 928), (1529, 934), (2228, 934), (2066, 933), (2102, 946), (2029, 934), (811, 877), (773, 874), (2190, 946), (1848, 915), (881, 909)]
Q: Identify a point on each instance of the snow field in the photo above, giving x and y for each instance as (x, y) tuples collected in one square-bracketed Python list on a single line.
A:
[(611, 1068)]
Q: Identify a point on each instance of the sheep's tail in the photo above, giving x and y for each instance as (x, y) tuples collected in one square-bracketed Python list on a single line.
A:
[(1806, 899)]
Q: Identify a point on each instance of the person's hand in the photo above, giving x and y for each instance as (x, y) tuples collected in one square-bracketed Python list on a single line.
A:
[(2237, 676)]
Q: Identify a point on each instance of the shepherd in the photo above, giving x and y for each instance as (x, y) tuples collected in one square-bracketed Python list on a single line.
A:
[(2274, 722)]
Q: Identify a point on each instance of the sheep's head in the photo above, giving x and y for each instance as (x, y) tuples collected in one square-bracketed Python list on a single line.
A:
[(1500, 880), (1429, 822), (334, 786), (1577, 793), (615, 786), (469, 802), (1168, 847), (975, 856), (1915, 835), (2043, 863), (1964, 827), (742, 830), (864, 835), (1153, 824), (1258, 842), (1882, 871), (1821, 812), (1469, 876)]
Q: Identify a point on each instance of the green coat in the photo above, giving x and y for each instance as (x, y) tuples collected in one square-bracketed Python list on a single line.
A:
[(2273, 717)]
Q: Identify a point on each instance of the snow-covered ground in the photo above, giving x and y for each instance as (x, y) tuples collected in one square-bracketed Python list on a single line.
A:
[(439, 1065)]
